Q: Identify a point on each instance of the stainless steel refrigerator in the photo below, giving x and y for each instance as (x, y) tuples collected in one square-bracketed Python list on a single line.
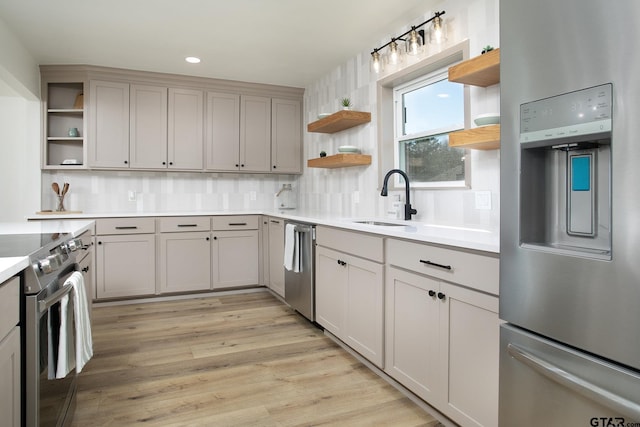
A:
[(570, 213)]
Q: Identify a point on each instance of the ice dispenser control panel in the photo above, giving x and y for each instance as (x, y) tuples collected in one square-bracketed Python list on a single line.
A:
[(583, 112)]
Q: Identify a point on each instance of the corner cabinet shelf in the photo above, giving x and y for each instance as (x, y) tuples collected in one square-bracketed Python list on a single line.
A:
[(339, 121), (64, 109), (483, 71), (340, 161)]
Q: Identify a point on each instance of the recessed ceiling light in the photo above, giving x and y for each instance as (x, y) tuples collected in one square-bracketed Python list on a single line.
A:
[(192, 59)]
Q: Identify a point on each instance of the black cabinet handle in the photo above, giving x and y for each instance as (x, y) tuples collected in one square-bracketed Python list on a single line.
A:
[(170, 163), (275, 222), (99, 243), (128, 227), (207, 239), (342, 263), (441, 295), (237, 165), (85, 270), (242, 165), (164, 163), (274, 166), (446, 267), (126, 162), (237, 223), (215, 238), (432, 293), (187, 225)]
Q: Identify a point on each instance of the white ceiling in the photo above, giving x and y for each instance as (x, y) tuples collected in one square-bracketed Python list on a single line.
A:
[(284, 42)]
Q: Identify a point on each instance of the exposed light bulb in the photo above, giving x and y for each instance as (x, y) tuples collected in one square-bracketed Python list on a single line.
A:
[(376, 61), (437, 30), (414, 42), (394, 55)]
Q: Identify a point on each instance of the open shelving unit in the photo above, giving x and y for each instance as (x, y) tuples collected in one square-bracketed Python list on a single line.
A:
[(339, 121), (64, 110), (340, 161), (483, 71)]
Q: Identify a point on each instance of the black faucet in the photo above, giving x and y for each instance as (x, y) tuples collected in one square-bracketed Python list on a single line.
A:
[(407, 206)]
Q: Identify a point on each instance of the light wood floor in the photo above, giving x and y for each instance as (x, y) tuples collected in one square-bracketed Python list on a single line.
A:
[(234, 360)]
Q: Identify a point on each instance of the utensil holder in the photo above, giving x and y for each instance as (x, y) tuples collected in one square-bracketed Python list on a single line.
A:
[(60, 204)]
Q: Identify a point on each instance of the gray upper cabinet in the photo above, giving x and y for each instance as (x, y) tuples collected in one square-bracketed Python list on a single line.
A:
[(223, 132), (108, 124), (152, 121), (185, 142), (148, 128), (255, 134), (286, 136)]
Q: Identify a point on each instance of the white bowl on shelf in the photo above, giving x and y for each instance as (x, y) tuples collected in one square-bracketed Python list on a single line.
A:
[(487, 119), (323, 115), (348, 149)]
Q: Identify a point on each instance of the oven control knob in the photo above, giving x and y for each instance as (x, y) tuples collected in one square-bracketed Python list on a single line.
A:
[(50, 263), (74, 244)]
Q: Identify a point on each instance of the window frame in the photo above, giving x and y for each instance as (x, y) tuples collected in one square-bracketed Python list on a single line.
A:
[(385, 86), (424, 80)]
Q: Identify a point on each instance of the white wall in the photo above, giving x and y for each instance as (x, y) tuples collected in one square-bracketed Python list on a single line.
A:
[(354, 192), (19, 129)]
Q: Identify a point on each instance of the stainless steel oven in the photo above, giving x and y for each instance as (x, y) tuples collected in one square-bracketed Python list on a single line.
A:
[(48, 327)]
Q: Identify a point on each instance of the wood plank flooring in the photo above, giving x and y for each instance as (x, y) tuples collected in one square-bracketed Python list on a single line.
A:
[(233, 360)]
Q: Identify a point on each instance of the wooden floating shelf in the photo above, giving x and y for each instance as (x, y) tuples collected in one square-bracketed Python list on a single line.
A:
[(483, 70), (341, 160), (480, 138), (341, 120)]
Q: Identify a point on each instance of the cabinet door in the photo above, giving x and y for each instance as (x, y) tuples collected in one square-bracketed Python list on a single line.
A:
[(365, 308), (185, 141), (276, 256), (10, 378), (286, 136), (235, 258), (264, 245), (470, 346), (223, 132), (331, 290), (255, 134), (412, 331), (108, 124), (185, 261), (148, 127), (125, 265)]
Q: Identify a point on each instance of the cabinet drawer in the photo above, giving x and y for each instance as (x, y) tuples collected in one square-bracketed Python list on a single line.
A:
[(235, 222), (125, 226), (9, 305), (359, 244), (185, 223), (469, 269)]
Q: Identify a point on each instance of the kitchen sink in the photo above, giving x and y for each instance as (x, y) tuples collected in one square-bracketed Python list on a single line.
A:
[(379, 223)]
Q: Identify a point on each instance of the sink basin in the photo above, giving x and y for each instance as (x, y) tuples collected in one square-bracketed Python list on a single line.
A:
[(380, 223)]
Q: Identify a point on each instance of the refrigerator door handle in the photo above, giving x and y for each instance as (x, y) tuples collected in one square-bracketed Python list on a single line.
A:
[(575, 383)]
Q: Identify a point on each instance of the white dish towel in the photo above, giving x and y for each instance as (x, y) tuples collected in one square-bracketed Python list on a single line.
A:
[(291, 248), (84, 341), (60, 366)]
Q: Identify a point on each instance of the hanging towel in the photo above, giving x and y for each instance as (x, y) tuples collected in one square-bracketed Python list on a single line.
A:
[(84, 341), (291, 248), (66, 358)]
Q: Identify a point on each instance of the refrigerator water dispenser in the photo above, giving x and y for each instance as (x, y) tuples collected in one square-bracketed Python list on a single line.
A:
[(565, 173)]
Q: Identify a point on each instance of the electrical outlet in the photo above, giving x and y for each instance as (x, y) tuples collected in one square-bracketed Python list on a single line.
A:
[(133, 196), (483, 200)]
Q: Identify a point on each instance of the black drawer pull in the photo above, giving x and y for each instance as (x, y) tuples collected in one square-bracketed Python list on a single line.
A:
[(85, 270), (275, 222), (446, 267), (441, 296), (237, 223), (187, 225), (128, 227), (432, 293), (342, 263)]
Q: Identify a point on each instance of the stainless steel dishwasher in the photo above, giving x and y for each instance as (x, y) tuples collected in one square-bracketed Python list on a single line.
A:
[(299, 287)]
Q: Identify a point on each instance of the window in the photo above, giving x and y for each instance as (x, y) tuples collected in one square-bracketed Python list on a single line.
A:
[(426, 110)]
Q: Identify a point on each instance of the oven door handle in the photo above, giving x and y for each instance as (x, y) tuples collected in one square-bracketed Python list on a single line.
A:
[(46, 303), (573, 382)]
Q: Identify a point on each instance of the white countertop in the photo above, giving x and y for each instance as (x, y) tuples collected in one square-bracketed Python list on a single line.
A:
[(471, 237), (10, 266)]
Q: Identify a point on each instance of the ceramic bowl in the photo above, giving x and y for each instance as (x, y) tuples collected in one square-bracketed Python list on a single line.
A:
[(323, 115), (348, 149), (487, 119)]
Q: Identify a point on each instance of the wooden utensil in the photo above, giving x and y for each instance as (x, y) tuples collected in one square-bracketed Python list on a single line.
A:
[(56, 188), (65, 188)]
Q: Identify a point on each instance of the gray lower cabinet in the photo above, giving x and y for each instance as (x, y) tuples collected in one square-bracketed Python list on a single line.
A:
[(10, 395), (125, 257), (235, 251), (276, 255), (185, 262)]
